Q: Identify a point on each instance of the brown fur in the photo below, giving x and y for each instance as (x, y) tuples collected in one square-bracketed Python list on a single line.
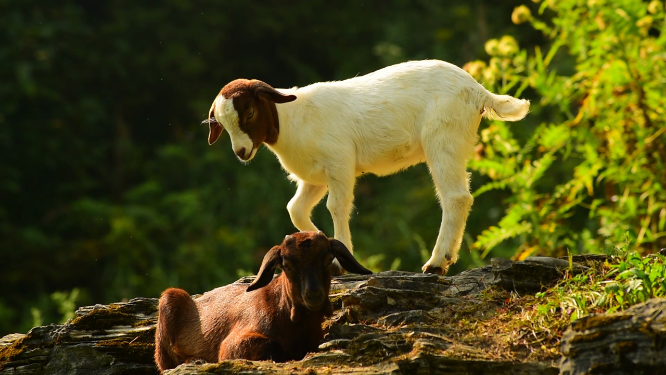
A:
[(251, 97), (274, 318)]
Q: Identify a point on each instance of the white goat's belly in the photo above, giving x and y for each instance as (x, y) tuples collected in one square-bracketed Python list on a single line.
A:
[(392, 163), (309, 172), (380, 165)]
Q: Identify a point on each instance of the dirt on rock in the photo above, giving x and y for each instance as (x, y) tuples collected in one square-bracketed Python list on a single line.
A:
[(481, 321)]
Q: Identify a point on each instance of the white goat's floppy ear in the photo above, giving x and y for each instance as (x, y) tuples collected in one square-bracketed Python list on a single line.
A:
[(346, 259), (214, 131), (265, 275), (265, 91), (214, 127)]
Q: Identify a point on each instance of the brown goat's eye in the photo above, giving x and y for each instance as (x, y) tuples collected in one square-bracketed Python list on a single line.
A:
[(250, 115)]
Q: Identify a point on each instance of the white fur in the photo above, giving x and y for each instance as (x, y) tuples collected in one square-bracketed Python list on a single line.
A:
[(227, 114), (420, 111)]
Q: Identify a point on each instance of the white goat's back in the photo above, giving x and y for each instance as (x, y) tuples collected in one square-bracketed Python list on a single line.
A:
[(379, 119)]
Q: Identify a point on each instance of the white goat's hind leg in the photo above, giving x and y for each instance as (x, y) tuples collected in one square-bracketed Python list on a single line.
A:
[(455, 209), (456, 202), (452, 184), (340, 204), (300, 206)]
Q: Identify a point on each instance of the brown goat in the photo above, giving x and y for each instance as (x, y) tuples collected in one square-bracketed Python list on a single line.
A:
[(275, 319)]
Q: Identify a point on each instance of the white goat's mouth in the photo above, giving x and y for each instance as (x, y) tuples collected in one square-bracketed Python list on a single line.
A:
[(249, 157)]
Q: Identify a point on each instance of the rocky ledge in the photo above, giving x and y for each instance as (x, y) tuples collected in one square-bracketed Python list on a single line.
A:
[(387, 323)]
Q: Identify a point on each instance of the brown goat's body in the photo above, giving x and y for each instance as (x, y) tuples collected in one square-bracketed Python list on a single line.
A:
[(228, 323), (275, 319)]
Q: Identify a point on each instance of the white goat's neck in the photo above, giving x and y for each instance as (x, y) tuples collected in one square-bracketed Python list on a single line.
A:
[(296, 144), (286, 114)]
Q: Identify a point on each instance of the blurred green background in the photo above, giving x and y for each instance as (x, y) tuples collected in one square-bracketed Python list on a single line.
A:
[(109, 189)]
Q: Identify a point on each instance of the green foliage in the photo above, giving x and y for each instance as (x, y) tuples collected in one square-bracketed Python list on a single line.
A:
[(623, 281), (637, 280), (595, 169), (66, 303), (60, 307)]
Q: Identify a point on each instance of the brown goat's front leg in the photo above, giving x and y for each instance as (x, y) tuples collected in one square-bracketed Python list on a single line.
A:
[(252, 346)]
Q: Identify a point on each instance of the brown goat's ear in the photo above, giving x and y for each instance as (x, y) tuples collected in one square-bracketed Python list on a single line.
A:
[(265, 91), (271, 260), (346, 259)]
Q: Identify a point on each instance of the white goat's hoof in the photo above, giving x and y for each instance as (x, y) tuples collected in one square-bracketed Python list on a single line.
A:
[(336, 269), (435, 270)]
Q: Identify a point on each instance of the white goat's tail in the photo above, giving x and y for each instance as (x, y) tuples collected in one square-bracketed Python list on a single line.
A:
[(505, 107)]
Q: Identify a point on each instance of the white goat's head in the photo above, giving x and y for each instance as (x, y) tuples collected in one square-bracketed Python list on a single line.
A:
[(246, 108)]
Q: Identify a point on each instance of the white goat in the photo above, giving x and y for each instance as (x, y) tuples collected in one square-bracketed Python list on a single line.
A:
[(326, 134)]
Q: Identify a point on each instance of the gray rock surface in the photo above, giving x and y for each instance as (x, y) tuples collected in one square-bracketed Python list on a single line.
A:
[(387, 323), (101, 339), (531, 274), (628, 342)]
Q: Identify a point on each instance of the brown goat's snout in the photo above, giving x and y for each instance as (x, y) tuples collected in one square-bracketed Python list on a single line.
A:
[(314, 297), (314, 294)]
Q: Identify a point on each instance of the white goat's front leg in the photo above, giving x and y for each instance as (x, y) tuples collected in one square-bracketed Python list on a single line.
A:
[(300, 206)]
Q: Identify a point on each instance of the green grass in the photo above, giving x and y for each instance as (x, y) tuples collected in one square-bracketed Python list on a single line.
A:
[(619, 282), (530, 326)]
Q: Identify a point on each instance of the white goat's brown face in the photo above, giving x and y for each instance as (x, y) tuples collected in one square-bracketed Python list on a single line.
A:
[(246, 108)]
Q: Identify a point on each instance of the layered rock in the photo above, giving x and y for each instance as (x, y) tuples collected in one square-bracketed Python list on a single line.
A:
[(387, 323), (628, 342), (102, 339)]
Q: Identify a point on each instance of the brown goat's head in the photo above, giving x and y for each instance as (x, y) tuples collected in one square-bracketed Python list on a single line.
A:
[(306, 259), (246, 108)]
